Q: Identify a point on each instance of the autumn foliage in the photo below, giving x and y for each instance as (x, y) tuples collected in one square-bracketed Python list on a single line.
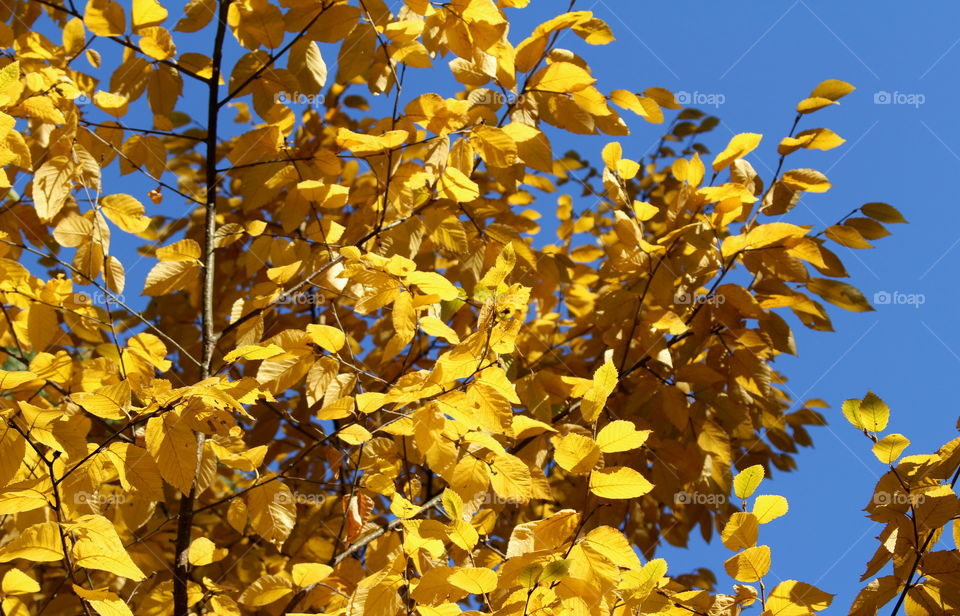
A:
[(274, 343)]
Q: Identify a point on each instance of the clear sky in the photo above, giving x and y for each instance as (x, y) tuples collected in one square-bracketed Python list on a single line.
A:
[(749, 62)]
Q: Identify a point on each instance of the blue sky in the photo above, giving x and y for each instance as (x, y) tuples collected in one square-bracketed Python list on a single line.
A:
[(749, 63)]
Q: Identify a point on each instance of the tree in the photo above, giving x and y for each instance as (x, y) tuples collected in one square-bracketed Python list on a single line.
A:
[(362, 381)]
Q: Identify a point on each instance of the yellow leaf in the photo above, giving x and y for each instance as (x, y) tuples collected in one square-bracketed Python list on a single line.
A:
[(670, 322), (889, 448), (619, 482), (604, 382), (874, 413), (749, 565), (883, 212), (646, 107), (452, 504), (611, 154), (793, 597), (105, 18), (273, 511), (747, 481), (851, 410), (147, 13), (114, 274), (663, 97), (814, 139), (474, 580), (645, 211), (496, 146), (832, 89), (463, 534), (612, 544), (173, 446), (741, 531), (328, 196), (769, 507), (506, 260), (809, 105), (370, 401), (73, 230), (456, 186), (307, 62), (254, 352), (111, 103), (649, 110), (533, 147), (809, 180), (97, 546), (433, 283), (621, 435), (936, 506), (39, 543), (627, 169), (625, 99), (328, 338), (354, 434), (562, 77), (52, 183), (362, 145), (338, 409), (739, 146), (157, 43), (183, 250), (308, 574), (576, 453), (265, 590), (202, 551), (594, 31), (17, 501), (197, 14), (402, 508), (166, 278), (840, 294), (761, 236), (848, 236), (12, 380), (16, 582), (510, 479), (432, 326), (109, 402), (586, 254), (104, 602)]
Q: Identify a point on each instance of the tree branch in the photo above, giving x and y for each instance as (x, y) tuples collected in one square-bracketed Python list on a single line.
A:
[(208, 337)]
